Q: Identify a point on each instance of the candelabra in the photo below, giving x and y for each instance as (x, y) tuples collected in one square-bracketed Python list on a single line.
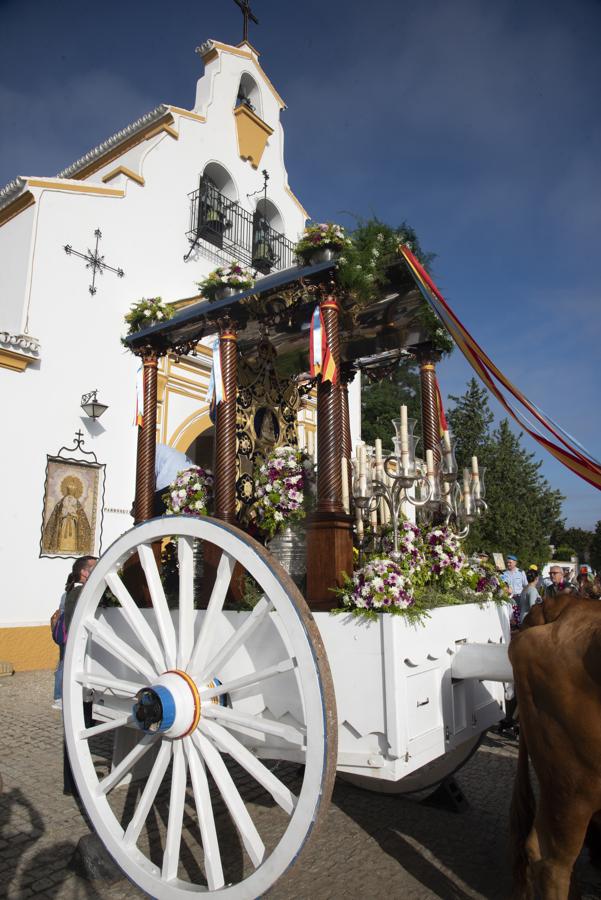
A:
[(381, 486)]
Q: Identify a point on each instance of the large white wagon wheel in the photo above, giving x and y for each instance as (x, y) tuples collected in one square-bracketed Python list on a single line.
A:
[(198, 698)]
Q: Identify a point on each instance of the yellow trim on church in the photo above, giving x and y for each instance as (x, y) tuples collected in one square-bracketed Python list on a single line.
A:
[(297, 201), (28, 647), (18, 362), (245, 54), (187, 113), (123, 170), (253, 134), (12, 209), (121, 148), (163, 129), (60, 184)]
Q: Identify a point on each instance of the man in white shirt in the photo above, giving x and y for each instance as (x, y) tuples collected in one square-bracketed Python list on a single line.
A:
[(514, 577)]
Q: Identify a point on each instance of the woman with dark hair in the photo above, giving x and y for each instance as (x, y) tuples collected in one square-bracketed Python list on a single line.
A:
[(73, 578), (80, 573)]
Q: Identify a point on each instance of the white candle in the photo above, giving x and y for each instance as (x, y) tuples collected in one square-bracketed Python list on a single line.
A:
[(301, 437), (362, 470), (378, 446), (315, 449), (359, 523), (448, 453), (404, 441), (467, 499), (476, 477), (430, 471), (345, 494), (310, 442)]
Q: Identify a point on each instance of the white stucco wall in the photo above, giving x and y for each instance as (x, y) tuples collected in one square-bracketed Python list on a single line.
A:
[(15, 260), (143, 233)]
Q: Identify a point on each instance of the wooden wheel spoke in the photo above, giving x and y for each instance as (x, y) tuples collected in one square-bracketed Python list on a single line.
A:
[(120, 771), (159, 603), (227, 743), (206, 819), (244, 824), (241, 635), (115, 645), (228, 687), (87, 733), (136, 620), (232, 719), (175, 822), (115, 685), (153, 783), (185, 557), (223, 577)]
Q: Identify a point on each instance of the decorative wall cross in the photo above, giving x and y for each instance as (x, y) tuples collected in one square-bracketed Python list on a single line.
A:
[(248, 14), (94, 261)]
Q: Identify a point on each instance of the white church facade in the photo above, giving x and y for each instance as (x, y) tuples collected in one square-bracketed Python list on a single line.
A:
[(128, 220)]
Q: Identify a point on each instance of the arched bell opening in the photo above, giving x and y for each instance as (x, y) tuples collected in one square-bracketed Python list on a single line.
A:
[(268, 228), (249, 95), (216, 196)]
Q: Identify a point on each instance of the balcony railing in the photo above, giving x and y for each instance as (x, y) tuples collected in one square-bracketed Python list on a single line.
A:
[(225, 224)]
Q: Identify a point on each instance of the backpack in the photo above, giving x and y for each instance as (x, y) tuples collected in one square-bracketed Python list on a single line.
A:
[(58, 629)]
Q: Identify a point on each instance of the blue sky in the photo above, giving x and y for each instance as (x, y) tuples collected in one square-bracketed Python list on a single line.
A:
[(478, 123)]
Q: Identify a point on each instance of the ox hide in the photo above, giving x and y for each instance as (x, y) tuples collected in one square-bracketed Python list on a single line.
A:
[(556, 661)]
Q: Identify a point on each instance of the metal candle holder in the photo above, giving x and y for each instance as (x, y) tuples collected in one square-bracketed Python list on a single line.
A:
[(433, 489)]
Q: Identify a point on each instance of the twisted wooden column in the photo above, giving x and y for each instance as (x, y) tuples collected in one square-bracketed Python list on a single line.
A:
[(147, 437), (329, 534), (430, 417), (329, 420), (347, 373), (225, 426)]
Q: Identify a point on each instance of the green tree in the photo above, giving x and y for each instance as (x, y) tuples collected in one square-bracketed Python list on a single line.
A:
[(595, 548), (381, 402), (470, 422), (522, 506), (578, 538)]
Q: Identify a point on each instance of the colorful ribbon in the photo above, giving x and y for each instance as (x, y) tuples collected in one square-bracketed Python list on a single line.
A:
[(572, 454), (322, 361), (139, 416), (216, 390)]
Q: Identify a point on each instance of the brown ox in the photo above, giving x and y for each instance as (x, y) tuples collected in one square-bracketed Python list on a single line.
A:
[(556, 661)]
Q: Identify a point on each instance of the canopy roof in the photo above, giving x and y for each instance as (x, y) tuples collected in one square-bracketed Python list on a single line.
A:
[(281, 305)]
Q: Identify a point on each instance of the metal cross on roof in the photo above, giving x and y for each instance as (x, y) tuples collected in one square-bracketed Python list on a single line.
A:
[(248, 14), (94, 261)]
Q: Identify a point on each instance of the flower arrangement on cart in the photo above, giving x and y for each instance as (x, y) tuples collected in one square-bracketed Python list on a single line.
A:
[(432, 570)]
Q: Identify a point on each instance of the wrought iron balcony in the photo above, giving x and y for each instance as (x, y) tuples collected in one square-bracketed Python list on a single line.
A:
[(248, 238)]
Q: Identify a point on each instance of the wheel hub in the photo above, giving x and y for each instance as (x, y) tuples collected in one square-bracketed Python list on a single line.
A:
[(170, 706)]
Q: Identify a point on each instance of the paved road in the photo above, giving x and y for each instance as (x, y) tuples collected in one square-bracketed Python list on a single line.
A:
[(371, 845)]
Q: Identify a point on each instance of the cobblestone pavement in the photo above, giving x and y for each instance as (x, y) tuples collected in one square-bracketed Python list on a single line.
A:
[(371, 845)]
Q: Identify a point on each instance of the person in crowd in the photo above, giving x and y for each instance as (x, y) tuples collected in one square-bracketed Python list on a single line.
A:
[(530, 595), (514, 578), (559, 584), (81, 571), (58, 674)]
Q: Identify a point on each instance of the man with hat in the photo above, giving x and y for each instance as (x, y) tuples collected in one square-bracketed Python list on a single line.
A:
[(514, 578)]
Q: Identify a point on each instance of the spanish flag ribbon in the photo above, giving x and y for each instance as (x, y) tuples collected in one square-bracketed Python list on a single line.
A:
[(444, 425), (530, 417), (322, 361), (139, 416), (216, 389)]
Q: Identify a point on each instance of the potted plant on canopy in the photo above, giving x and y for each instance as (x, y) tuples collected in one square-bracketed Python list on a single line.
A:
[(225, 281), (321, 242)]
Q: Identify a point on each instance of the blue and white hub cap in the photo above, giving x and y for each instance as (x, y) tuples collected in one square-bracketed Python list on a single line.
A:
[(172, 705)]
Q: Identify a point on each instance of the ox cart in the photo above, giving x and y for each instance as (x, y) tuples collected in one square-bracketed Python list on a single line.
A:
[(226, 726)]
